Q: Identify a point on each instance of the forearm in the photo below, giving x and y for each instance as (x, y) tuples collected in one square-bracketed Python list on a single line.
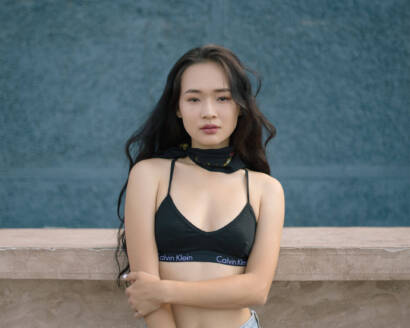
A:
[(230, 292), (161, 318)]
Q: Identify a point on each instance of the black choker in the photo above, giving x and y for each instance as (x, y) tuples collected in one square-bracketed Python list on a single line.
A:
[(220, 159)]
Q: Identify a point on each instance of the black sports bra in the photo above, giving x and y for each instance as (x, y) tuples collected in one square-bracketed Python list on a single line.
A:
[(178, 240)]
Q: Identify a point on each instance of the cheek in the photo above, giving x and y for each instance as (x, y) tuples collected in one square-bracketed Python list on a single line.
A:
[(231, 118), (234, 123), (190, 123)]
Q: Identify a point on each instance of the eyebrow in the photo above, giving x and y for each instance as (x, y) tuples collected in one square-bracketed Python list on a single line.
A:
[(199, 91)]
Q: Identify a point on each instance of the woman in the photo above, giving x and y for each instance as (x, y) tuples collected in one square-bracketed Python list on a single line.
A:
[(195, 255)]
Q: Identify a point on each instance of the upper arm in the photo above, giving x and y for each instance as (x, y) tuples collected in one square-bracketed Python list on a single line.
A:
[(139, 214), (264, 255)]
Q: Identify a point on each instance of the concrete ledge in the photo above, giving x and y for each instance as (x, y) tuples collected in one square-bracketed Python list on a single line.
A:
[(326, 277), (307, 254)]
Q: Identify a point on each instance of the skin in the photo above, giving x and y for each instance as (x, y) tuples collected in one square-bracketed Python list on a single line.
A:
[(207, 294), (200, 104)]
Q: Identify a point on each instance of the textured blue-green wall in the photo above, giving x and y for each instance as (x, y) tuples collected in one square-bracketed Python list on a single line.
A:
[(77, 77)]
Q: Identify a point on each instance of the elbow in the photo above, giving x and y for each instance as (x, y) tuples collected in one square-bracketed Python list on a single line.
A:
[(261, 291), (262, 295), (262, 299)]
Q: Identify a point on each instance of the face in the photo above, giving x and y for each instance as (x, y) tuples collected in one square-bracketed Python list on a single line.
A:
[(206, 99)]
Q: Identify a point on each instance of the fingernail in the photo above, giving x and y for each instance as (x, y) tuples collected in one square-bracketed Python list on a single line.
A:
[(124, 276)]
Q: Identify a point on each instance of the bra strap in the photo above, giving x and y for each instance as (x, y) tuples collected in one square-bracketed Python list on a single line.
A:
[(247, 184), (171, 174)]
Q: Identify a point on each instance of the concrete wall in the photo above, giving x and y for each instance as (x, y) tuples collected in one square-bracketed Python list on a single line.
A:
[(333, 277), (291, 304), (78, 77)]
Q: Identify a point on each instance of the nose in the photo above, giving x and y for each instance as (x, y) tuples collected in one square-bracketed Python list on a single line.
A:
[(208, 109)]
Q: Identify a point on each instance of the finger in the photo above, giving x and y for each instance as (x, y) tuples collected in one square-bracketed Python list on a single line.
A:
[(129, 276), (128, 284)]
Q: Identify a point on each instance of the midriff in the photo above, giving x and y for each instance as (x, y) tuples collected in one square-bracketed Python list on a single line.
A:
[(199, 317)]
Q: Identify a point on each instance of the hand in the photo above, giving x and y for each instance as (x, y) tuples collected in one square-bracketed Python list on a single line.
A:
[(144, 294)]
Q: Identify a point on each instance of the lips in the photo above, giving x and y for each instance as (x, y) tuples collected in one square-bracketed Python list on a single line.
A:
[(210, 129), (210, 126)]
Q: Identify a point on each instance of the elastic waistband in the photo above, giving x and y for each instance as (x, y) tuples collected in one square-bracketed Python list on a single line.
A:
[(202, 256)]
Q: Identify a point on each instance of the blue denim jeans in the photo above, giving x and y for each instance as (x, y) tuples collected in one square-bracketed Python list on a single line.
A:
[(253, 321)]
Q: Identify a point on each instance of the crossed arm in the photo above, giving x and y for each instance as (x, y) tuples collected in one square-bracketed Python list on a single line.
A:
[(152, 296)]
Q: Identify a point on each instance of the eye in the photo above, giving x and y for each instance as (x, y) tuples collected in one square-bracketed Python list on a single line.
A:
[(224, 98), (192, 99)]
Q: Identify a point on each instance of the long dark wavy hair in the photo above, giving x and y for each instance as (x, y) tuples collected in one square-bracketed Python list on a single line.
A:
[(163, 129)]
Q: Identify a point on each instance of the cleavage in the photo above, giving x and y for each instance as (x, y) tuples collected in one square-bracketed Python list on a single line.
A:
[(217, 211), (195, 225)]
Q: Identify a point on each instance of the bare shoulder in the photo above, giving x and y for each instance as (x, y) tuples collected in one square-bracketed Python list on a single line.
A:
[(265, 190), (265, 182), (149, 169), (142, 187), (273, 185)]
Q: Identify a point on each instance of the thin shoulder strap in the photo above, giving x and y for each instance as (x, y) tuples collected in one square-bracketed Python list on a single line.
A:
[(171, 174), (247, 184)]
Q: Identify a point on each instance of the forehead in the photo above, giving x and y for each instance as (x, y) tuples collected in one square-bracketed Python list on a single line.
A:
[(204, 76)]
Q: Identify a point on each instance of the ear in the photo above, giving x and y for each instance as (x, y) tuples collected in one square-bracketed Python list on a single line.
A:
[(178, 113)]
